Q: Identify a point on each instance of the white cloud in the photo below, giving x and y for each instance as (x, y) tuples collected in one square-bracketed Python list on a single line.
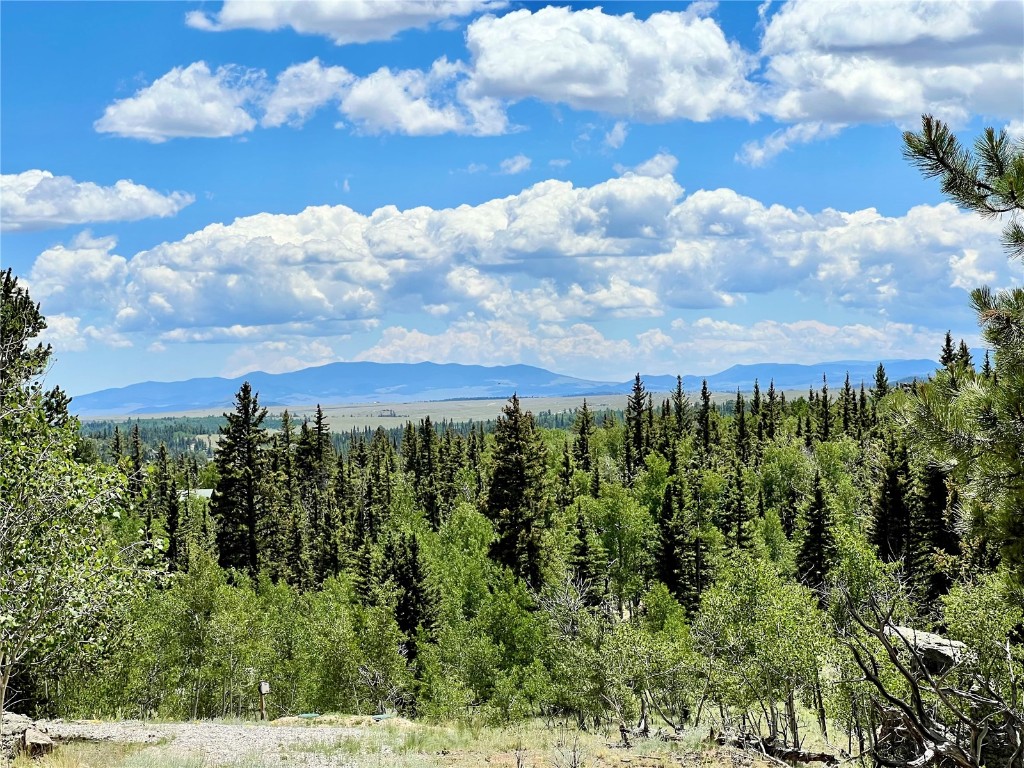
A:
[(670, 66), (757, 153), (419, 103), (85, 275), (302, 89), (662, 164), (516, 164), (62, 332), (343, 21), (616, 137), (37, 199), (553, 255), (870, 61), (189, 101)]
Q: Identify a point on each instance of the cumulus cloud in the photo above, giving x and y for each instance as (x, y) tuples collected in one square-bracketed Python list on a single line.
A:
[(418, 103), (302, 89), (37, 199), (343, 21), (667, 67), (868, 61), (661, 164), (187, 101), (516, 164), (550, 258)]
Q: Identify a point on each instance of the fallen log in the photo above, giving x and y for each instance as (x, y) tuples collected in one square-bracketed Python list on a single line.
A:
[(773, 748)]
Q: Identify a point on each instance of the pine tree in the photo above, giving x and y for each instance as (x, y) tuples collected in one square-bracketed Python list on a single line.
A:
[(741, 433), (668, 553), (564, 491), (737, 512), (635, 434), (848, 407), (516, 497), (584, 427), (817, 546), (881, 388), (930, 534), (704, 421), (587, 561), (892, 504), (948, 355), (681, 412), (963, 357), (236, 503), (771, 412), (825, 413)]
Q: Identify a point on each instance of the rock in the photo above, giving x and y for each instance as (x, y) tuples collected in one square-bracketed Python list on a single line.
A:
[(23, 736), (35, 743)]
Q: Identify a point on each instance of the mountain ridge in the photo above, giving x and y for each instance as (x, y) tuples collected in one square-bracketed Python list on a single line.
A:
[(359, 382)]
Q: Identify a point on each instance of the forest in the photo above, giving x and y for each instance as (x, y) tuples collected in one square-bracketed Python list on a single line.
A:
[(847, 563)]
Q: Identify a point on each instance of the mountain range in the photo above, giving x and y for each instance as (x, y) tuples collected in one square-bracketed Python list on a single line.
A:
[(343, 383)]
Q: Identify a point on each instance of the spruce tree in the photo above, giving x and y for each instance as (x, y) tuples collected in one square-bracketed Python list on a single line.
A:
[(587, 561), (516, 498), (892, 504), (704, 421), (681, 412), (635, 434), (824, 413), (741, 432), (771, 412), (930, 534), (963, 356), (237, 500), (584, 428), (817, 546), (948, 355)]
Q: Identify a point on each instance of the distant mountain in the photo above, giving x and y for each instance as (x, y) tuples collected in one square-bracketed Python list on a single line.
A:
[(341, 383)]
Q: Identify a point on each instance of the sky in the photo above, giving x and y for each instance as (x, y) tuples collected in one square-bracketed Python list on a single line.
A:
[(208, 189)]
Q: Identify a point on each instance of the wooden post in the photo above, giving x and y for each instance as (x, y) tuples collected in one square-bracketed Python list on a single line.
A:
[(264, 690)]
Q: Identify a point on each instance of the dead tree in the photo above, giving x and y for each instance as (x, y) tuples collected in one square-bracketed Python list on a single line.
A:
[(954, 716)]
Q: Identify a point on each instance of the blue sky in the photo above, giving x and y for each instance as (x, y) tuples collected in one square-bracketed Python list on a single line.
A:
[(199, 189)]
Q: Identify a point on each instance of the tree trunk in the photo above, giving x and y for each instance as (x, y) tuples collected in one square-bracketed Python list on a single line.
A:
[(794, 727)]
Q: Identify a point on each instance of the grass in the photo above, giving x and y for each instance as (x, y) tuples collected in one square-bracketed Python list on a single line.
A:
[(417, 745)]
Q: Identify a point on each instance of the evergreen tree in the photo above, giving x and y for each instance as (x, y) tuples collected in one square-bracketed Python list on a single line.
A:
[(587, 561), (741, 433), (824, 413), (881, 388), (948, 355), (516, 497), (237, 501), (771, 412), (737, 512), (817, 545), (963, 356), (681, 412), (584, 427), (668, 553), (704, 421), (848, 408), (892, 504), (635, 434), (930, 534)]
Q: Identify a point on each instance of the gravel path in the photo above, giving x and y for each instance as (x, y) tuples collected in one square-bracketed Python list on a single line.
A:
[(218, 744)]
